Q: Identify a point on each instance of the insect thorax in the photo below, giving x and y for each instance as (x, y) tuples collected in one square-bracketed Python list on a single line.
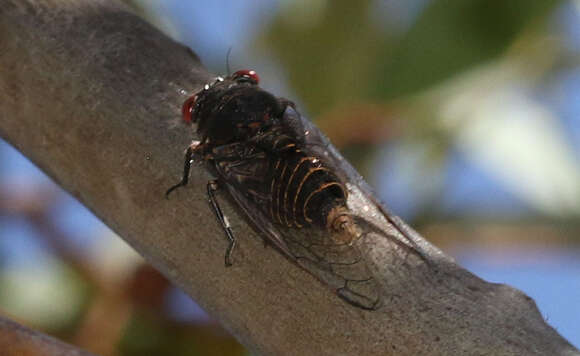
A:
[(231, 112)]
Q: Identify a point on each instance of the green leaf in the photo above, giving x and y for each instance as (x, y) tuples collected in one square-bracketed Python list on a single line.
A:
[(451, 36)]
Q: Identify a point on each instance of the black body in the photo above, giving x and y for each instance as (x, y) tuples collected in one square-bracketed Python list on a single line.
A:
[(259, 149), (263, 161)]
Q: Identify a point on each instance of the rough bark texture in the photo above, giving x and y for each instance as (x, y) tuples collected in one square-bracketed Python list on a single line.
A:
[(91, 94), (16, 340)]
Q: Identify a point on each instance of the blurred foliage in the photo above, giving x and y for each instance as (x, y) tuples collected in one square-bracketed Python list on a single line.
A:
[(329, 51), (339, 53), (148, 335), (451, 36)]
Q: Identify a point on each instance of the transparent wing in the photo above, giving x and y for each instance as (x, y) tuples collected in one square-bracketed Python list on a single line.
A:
[(260, 221), (319, 145), (340, 266), (243, 168)]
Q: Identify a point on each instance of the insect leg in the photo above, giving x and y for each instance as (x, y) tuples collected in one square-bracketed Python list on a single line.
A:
[(187, 165), (212, 187)]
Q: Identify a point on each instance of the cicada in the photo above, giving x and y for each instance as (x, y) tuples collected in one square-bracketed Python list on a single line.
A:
[(284, 175)]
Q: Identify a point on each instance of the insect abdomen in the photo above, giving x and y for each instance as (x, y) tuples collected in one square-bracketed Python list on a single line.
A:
[(303, 191)]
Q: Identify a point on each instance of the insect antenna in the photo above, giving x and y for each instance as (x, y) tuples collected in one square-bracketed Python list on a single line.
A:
[(228, 60)]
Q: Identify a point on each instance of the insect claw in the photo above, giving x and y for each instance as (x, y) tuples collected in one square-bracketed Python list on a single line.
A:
[(172, 189), (230, 249), (228, 257), (212, 187), (186, 166)]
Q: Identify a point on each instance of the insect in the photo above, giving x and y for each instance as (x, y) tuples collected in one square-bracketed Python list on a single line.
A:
[(276, 169)]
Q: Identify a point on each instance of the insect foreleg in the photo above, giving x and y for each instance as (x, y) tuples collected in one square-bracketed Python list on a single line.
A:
[(212, 187), (186, 166)]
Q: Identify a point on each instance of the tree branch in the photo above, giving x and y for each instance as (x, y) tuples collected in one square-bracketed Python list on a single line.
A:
[(16, 340), (91, 94)]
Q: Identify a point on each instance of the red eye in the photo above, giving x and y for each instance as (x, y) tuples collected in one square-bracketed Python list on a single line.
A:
[(187, 109), (247, 75)]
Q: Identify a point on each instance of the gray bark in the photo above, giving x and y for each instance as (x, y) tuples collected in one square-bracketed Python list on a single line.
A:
[(92, 95)]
